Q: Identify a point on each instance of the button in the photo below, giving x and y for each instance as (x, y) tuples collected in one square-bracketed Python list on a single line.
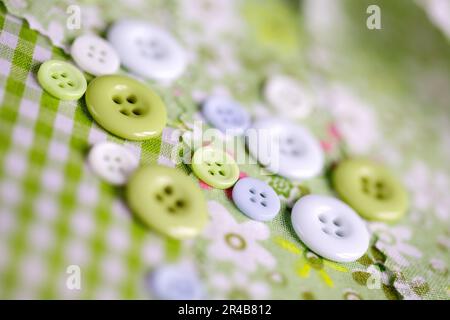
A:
[(226, 115), (112, 162), (126, 107), (147, 50), (330, 228), (256, 199), (285, 148), (288, 96), (370, 189), (95, 55), (168, 201), (62, 80), (175, 282), (215, 167)]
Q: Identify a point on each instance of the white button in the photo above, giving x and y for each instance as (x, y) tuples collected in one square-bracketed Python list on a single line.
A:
[(147, 50), (330, 228), (285, 148), (288, 97), (226, 115), (112, 162), (175, 282), (95, 55)]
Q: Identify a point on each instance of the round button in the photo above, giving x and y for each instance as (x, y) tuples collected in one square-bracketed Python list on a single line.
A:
[(370, 189), (112, 162), (288, 96), (285, 148), (173, 282), (215, 167), (62, 80), (147, 50), (168, 201), (126, 107), (330, 228), (95, 55), (256, 199), (226, 115)]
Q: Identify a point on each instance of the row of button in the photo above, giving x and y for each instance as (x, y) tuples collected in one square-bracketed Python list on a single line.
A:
[(169, 201)]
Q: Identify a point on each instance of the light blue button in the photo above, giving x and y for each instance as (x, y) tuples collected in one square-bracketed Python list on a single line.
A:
[(226, 115), (175, 282), (256, 199)]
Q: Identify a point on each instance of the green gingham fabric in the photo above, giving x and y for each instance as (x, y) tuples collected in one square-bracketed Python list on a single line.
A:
[(55, 213)]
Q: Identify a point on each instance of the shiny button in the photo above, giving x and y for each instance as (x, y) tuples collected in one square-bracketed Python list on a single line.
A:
[(62, 80), (226, 115), (147, 50), (94, 55), (256, 199), (288, 96), (330, 228), (112, 162), (175, 282), (370, 189), (215, 167), (126, 107), (167, 200), (285, 148)]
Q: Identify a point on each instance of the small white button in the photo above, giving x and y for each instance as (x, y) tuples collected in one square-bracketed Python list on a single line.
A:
[(330, 228), (112, 162), (285, 148), (95, 55), (147, 50), (288, 96), (175, 282), (226, 115)]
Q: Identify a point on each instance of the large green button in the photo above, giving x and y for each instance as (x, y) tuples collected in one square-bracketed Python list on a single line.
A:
[(215, 167), (62, 80), (370, 189), (167, 200), (126, 107)]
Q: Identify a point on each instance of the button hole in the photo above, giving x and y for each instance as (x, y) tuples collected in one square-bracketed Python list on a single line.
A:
[(71, 84), (322, 218), (64, 75), (124, 112), (62, 85), (211, 172), (117, 100), (252, 191), (90, 55), (117, 159), (137, 112), (101, 60), (252, 199), (325, 230), (171, 209), (55, 76), (180, 203), (218, 164), (222, 173), (168, 190), (262, 194), (111, 168), (264, 204), (340, 233), (337, 222), (103, 53), (158, 197), (132, 99)]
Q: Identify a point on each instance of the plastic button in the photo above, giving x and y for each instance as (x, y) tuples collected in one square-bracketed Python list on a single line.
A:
[(288, 96), (330, 228), (226, 115), (62, 80), (95, 55), (370, 189), (126, 107), (112, 162), (175, 282), (285, 148), (256, 199), (147, 50), (215, 167), (168, 201)]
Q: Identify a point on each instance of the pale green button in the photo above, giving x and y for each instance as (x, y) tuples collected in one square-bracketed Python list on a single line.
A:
[(126, 107), (168, 201), (215, 167), (370, 189), (62, 80)]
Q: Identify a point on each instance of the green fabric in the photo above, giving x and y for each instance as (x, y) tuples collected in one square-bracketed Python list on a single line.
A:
[(381, 94)]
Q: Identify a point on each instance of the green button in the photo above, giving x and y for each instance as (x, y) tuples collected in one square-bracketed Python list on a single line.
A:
[(168, 201), (215, 167), (62, 80), (370, 189), (126, 107)]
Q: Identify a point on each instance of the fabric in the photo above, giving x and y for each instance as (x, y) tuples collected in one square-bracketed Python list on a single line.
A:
[(378, 93)]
